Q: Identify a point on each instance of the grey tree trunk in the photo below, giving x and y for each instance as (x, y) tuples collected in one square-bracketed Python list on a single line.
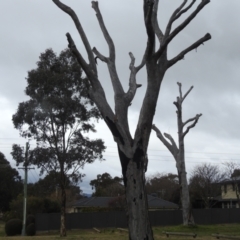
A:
[(63, 230), (179, 154), (133, 149)]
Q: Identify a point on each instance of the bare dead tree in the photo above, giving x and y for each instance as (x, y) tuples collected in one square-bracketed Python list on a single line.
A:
[(232, 170), (178, 153), (204, 183), (133, 149)]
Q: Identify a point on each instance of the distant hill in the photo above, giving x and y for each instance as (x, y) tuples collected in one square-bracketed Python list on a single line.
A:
[(87, 195)]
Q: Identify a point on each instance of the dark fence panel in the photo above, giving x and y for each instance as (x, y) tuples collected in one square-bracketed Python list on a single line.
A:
[(165, 217), (202, 216), (235, 215), (46, 222), (219, 216)]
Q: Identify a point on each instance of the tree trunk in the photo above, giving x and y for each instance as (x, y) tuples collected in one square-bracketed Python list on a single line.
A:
[(186, 205), (63, 231), (136, 198), (185, 199)]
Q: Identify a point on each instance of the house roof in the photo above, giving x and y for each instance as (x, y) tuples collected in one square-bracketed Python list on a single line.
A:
[(93, 202), (228, 180), (153, 202)]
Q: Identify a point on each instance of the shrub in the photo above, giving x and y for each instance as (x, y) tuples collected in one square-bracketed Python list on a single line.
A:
[(30, 219), (31, 230), (10, 215), (13, 227)]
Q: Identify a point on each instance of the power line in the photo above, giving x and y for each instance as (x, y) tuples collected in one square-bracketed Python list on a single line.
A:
[(157, 150)]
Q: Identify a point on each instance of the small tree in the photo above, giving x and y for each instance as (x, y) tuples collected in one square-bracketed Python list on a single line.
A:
[(232, 170), (204, 183), (56, 116), (133, 149), (166, 186), (106, 186), (178, 153)]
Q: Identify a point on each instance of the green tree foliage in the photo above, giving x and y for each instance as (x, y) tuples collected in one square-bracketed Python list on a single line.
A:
[(165, 186), (31, 230), (13, 227), (106, 186), (10, 183), (34, 205), (57, 115), (49, 187)]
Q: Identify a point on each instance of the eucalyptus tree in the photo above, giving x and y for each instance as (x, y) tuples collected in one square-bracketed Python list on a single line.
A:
[(56, 116), (133, 149), (178, 152)]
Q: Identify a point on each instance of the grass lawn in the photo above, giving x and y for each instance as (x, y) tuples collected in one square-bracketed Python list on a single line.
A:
[(203, 233)]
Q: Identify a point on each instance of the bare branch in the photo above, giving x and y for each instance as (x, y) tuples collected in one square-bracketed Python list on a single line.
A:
[(172, 18), (99, 55), (171, 147), (180, 90), (148, 10), (117, 86), (195, 119), (184, 10), (181, 55), (157, 29), (78, 55), (132, 80), (180, 28), (81, 32), (189, 19), (104, 31), (190, 89), (168, 136)]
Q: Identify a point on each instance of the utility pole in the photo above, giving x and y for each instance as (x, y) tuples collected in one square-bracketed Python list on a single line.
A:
[(25, 189)]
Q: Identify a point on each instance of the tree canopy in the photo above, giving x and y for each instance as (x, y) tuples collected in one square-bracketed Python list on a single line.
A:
[(10, 183), (49, 187), (58, 116), (165, 185), (106, 186), (204, 184)]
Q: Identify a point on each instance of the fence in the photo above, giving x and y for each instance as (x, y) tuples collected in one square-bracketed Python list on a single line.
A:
[(46, 222)]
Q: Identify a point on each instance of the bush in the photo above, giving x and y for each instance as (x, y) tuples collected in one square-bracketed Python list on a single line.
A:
[(13, 227), (30, 219), (31, 230), (10, 215)]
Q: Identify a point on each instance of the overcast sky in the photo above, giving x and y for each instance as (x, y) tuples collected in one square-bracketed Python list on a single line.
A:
[(29, 27)]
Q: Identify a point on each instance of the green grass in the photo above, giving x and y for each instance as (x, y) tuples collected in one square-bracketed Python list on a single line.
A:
[(203, 233)]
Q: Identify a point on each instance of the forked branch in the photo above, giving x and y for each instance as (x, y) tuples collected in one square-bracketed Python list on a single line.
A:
[(157, 29), (173, 18), (81, 32), (80, 59), (169, 38), (181, 55), (195, 119), (104, 31), (171, 147), (117, 86)]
